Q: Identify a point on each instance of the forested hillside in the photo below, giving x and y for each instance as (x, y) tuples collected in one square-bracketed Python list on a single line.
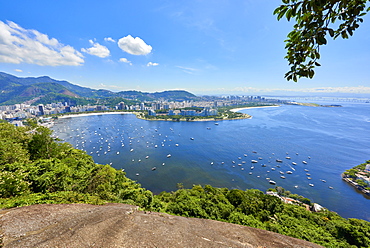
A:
[(35, 169)]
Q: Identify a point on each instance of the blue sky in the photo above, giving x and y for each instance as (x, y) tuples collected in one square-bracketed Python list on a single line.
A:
[(205, 47)]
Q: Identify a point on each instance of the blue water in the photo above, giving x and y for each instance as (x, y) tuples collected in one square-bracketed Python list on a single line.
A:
[(330, 140)]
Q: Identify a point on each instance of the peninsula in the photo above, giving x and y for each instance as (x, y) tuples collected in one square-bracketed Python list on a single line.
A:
[(359, 177), (201, 113)]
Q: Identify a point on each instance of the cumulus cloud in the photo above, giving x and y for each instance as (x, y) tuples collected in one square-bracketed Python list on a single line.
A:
[(152, 64), (135, 46), (124, 60), (97, 50), (109, 39), (18, 70), (19, 45)]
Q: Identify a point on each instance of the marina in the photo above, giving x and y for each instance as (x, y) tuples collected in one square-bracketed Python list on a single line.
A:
[(159, 155)]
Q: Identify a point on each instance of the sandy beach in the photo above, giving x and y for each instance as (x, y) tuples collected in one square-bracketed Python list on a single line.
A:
[(239, 109), (88, 114)]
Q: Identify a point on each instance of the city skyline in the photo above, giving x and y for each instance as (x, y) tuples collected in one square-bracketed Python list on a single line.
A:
[(203, 47)]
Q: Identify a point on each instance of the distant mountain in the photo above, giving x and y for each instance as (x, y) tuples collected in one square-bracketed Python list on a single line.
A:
[(44, 89), (171, 95)]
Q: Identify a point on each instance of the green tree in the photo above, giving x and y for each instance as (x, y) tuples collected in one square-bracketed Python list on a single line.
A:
[(314, 22)]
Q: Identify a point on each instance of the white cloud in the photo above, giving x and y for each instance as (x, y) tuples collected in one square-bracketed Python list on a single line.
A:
[(18, 70), (135, 46), (19, 45), (124, 60), (188, 69), (152, 64), (109, 39), (97, 50)]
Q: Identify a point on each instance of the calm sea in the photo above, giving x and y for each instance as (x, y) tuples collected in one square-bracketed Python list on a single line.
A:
[(160, 154)]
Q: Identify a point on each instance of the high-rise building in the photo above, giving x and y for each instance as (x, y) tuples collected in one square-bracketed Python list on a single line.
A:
[(41, 109)]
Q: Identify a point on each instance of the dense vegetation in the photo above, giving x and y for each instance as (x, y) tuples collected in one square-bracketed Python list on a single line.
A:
[(35, 168), (16, 90)]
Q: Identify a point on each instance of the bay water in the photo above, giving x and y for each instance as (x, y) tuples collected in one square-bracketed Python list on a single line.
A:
[(242, 154)]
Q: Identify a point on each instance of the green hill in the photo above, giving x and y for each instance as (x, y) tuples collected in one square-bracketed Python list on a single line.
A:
[(15, 90)]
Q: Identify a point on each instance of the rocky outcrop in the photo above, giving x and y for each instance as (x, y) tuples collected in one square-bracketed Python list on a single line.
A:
[(120, 225)]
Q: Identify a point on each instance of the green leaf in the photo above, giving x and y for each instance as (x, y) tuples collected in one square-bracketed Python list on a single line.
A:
[(331, 32), (321, 40)]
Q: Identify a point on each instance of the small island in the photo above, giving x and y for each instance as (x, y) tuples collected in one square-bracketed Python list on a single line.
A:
[(359, 177)]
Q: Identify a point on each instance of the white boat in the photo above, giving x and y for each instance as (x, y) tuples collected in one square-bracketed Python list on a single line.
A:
[(311, 184), (289, 172), (192, 138), (169, 155), (279, 160), (254, 161), (147, 157), (272, 182), (283, 177), (304, 162), (288, 157)]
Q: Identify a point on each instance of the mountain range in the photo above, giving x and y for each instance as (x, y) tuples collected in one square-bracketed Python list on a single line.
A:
[(35, 90)]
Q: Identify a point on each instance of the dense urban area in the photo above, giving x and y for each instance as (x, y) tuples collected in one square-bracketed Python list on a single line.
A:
[(207, 106)]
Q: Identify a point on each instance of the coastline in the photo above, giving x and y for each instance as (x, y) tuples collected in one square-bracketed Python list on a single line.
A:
[(192, 120), (98, 113), (239, 109), (355, 185), (184, 119)]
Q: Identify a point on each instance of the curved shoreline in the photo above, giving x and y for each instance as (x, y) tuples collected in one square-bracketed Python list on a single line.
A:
[(239, 109), (139, 117), (91, 114), (192, 120)]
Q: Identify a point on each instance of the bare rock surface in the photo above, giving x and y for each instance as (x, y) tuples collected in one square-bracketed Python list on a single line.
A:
[(120, 225)]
